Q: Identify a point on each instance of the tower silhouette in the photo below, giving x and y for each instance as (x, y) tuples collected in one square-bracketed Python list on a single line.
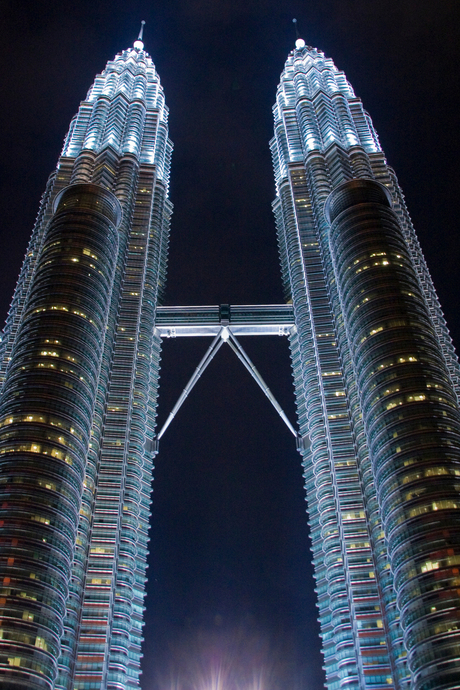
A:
[(376, 381), (375, 373), (81, 362)]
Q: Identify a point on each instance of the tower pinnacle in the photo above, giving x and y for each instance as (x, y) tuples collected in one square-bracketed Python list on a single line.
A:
[(299, 43), (139, 45)]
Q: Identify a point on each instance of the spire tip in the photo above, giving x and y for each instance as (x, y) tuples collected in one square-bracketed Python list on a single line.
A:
[(141, 32), (138, 45), (299, 43)]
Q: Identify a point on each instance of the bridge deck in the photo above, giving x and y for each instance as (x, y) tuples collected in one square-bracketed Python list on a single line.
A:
[(252, 319)]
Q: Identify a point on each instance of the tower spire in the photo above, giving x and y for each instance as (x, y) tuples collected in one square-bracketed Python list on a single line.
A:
[(139, 45), (297, 35), (141, 32), (299, 43)]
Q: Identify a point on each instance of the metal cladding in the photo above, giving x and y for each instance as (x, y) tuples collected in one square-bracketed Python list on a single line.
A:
[(46, 413), (412, 423), (377, 393), (79, 365)]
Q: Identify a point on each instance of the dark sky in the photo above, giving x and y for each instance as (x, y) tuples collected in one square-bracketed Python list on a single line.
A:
[(229, 574)]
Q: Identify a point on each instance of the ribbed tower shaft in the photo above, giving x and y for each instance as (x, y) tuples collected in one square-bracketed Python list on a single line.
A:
[(46, 414), (324, 139), (118, 142)]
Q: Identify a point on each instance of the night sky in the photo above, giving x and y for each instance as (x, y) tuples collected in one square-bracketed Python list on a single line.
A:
[(229, 578)]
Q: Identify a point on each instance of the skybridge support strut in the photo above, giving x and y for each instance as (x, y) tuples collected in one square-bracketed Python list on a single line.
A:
[(243, 357), (210, 353)]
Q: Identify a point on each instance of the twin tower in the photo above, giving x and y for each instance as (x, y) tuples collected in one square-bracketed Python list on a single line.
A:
[(376, 379)]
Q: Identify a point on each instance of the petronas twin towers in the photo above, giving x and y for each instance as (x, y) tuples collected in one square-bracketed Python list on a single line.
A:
[(376, 380)]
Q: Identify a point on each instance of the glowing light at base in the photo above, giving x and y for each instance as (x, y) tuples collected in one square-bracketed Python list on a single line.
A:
[(241, 660)]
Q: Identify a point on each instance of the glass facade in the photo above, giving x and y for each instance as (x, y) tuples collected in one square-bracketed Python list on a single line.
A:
[(79, 369), (376, 382)]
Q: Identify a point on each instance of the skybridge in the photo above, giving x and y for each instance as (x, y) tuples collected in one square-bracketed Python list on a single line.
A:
[(224, 323)]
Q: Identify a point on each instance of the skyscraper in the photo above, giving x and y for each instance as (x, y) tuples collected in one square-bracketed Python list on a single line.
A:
[(376, 382), (80, 370)]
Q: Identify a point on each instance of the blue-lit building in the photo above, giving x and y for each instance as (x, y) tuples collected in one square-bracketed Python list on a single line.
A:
[(376, 382), (80, 363)]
